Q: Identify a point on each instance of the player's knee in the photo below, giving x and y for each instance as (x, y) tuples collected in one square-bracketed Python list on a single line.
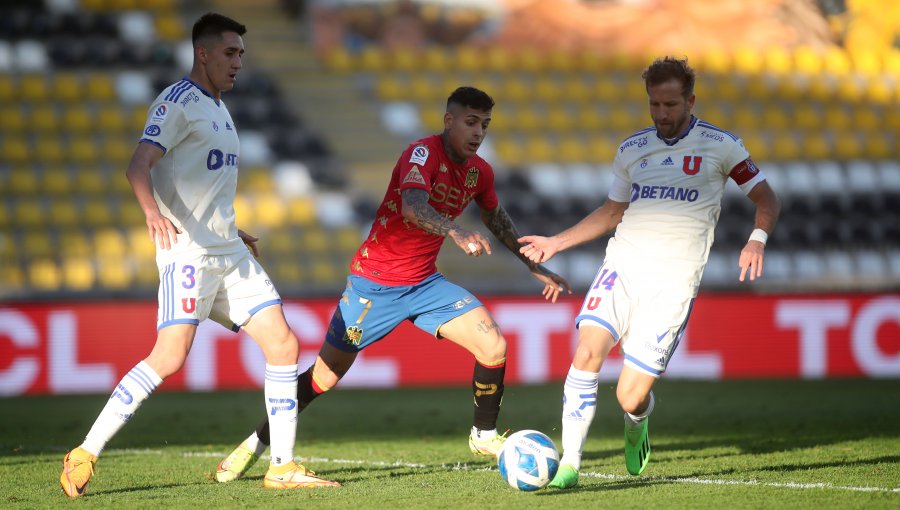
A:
[(166, 364), (631, 401), (492, 352), (282, 349)]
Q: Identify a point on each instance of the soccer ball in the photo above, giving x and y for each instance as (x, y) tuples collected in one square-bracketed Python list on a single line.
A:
[(528, 461)]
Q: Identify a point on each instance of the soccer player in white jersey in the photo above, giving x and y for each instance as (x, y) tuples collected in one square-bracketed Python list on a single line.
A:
[(184, 175), (663, 205)]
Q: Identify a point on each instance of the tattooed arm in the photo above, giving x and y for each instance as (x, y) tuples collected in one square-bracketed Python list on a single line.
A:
[(416, 209), (501, 225)]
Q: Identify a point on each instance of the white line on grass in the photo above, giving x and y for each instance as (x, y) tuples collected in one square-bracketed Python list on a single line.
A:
[(603, 476)]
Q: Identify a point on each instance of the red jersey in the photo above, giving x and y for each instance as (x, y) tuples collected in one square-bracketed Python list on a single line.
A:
[(397, 252)]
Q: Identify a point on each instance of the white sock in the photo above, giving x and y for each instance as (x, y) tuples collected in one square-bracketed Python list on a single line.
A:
[(281, 405), (254, 444), (579, 406), (132, 390), (484, 434), (633, 420)]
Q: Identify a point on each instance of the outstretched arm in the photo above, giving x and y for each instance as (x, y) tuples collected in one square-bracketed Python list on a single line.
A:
[(416, 210), (600, 222), (768, 207), (501, 225)]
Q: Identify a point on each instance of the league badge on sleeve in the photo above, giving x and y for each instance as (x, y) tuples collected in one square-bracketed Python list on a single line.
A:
[(419, 155)]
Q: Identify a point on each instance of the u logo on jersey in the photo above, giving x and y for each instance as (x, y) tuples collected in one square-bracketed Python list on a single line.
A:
[(692, 164), (188, 305)]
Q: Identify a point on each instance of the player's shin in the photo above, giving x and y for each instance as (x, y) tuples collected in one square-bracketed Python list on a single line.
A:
[(138, 384), (579, 406), (307, 390), (487, 387), (281, 403)]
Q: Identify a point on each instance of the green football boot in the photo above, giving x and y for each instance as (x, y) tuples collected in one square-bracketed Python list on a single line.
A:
[(566, 477), (637, 448)]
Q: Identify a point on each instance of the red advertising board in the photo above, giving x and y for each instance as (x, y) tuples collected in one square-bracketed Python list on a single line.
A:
[(87, 347)]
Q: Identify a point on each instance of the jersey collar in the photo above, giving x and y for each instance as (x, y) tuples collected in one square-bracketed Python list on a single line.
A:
[(673, 141), (201, 89)]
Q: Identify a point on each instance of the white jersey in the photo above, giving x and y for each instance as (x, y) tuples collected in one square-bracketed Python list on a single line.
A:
[(675, 189), (194, 183)]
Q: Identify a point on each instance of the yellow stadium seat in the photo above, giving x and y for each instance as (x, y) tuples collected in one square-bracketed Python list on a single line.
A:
[(372, 58), (530, 119), (109, 242), (785, 146), (97, 212), (280, 242), (517, 87), (560, 119), (502, 118), (12, 119), (758, 146), (12, 279), (45, 117), (878, 146), (79, 118), (540, 149), (84, 150), (622, 119), (49, 149), (816, 146), (748, 61), (716, 61), (33, 87), (601, 149), (837, 62), (29, 212), (499, 60), (867, 119), (146, 275), (808, 61), (270, 211), (64, 212), (16, 150), (315, 240), (576, 89), (423, 89), (169, 27), (140, 245), (338, 60), (67, 87), (348, 240), (37, 244), (324, 270), (746, 116), (389, 87), (850, 89), (44, 274), (117, 150), (5, 220), (468, 59), (301, 211), (847, 146), (562, 60), (243, 209), (114, 273), (130, 213), (289, 271), (137, 120), (880, 91), (9, 90), (75, 243), (572, 150), (758, 88), (808, 116), (867, 63), (775, 117), (405, 59), (257, 179), (435, 58), (509, 150), (56, 180), (778, 61), (78, 272), (111, 118), (547, 89), (837, 117), (100, 86), (23, 181)]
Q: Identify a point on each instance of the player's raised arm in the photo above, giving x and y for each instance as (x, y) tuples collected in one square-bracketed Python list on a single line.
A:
[(497, 220), (600, 222), (416, 209), (768, 207)]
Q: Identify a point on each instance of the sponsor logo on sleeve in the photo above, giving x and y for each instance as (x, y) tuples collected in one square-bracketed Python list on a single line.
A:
[(414, 176), (159, 114), (419, 155), (152, 130)]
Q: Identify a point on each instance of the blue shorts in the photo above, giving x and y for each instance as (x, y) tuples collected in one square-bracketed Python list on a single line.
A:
[(368, 311)]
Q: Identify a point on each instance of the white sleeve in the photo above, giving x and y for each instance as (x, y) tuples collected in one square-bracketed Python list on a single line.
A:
[(166, 125), (620, 191)]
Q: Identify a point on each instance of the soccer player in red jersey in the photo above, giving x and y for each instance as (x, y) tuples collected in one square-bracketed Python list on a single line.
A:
[(394, 276)]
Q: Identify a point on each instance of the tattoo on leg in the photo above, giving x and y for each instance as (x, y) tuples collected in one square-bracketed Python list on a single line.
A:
[(484, 327)]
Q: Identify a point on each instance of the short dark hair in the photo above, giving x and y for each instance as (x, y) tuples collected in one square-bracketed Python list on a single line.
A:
[(214, 24), (667, 68), (472, 98)]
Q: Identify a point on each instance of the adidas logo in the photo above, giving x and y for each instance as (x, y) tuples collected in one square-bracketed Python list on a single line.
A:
[(668, 161), (661, 361), (575, 416)]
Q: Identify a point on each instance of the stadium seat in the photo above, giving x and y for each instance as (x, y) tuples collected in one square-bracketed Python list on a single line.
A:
[(78, 273), (44, 118), (64, 213), (98, 212), (34, 88), (23, 181), (37, 244), (91, 180), (12, 119), (74, 242), (115, 273), (44, 275), (30, 213), (67, 87), (269, 210)]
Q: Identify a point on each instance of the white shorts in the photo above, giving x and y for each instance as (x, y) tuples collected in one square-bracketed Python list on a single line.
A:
[(228, 289), (647, 321)]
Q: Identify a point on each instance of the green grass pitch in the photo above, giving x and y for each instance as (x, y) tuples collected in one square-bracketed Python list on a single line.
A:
[(727, 444)]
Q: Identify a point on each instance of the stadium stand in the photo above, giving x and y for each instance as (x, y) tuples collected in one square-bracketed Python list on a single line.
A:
[(328, 99)]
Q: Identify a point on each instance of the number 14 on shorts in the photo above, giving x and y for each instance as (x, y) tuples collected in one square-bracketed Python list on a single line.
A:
[(606, 278)]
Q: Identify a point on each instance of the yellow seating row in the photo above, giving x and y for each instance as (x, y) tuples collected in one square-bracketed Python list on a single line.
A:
[(75, 117), (58, 86)]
